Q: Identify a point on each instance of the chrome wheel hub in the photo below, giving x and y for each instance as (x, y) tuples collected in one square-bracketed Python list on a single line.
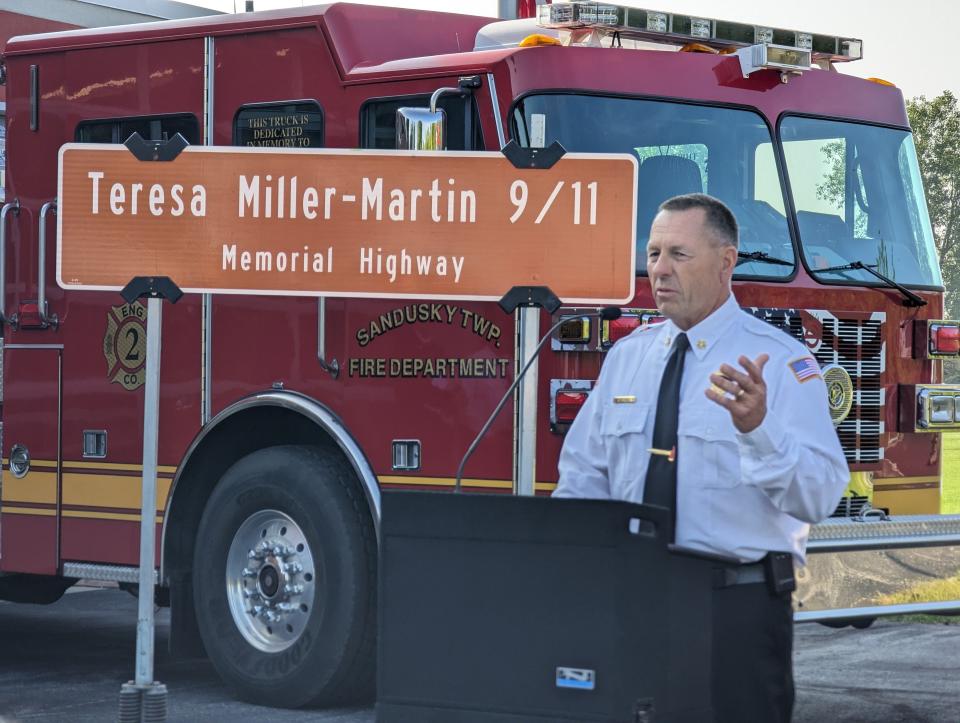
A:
[(270, 580)]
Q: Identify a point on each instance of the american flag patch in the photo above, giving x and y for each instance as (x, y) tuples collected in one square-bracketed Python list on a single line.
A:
[(804, 369)]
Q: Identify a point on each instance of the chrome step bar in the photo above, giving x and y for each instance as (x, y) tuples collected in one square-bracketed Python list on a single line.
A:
[(103, 573)]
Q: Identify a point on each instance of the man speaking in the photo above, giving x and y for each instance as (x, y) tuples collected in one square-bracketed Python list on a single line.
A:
[(723, 419)]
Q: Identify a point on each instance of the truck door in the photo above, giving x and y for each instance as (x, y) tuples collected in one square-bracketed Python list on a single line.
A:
[(30, 497), (289, 89)]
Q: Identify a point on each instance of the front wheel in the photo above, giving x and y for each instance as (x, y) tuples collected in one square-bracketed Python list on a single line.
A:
[(284, 579)]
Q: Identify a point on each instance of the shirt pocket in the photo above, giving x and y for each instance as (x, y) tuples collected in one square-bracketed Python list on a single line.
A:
[(714, 452), (626, 435)]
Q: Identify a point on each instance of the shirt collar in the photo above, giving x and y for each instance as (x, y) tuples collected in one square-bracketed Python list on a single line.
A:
[(704, 336)]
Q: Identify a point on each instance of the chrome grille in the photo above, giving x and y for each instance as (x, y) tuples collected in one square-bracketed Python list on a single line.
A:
[(857, 345), (851, 506)]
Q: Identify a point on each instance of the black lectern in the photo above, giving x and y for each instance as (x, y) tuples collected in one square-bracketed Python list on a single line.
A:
[(497, 608)]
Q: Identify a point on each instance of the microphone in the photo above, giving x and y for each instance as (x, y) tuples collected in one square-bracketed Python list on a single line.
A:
[(607, 313)]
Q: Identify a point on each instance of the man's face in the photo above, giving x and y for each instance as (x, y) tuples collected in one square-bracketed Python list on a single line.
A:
[(689, 270)]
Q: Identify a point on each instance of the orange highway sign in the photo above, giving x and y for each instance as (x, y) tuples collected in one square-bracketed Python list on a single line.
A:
[(348, 223)]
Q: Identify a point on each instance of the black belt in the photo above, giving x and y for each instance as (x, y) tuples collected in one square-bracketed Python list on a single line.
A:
[(740, 575), (775, 569)]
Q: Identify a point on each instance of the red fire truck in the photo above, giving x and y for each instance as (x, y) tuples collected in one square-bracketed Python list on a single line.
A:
[(281, 419)]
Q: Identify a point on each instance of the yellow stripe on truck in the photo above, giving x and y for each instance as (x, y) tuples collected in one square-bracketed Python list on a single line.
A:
[(94, 490), (35, 486)]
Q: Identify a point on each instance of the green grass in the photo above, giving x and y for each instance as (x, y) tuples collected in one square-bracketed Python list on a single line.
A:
[(950, 501), (930, 591)]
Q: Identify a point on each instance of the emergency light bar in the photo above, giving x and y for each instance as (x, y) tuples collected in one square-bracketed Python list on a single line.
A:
[(636, 23)]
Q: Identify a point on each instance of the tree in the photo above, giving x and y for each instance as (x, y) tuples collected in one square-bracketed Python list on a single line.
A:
[(936, 132)]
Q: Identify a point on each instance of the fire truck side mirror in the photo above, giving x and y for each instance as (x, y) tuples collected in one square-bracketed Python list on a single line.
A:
[(421, 129)]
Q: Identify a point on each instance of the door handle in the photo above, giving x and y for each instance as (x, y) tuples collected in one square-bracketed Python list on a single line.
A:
[(14, 208), (333, 366), (45, 318), (28, 316)]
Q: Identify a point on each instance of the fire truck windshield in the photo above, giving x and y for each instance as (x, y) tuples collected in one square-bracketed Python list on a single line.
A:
[(681, 148), (859, 198)]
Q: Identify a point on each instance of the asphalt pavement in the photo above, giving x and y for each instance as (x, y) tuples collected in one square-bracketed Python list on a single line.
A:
[(66, 662)]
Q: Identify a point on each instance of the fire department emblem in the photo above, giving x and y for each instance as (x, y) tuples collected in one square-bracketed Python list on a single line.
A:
[(839, 392), (125, 345)]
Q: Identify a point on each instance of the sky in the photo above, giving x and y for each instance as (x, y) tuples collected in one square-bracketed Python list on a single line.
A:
[(899, 44)]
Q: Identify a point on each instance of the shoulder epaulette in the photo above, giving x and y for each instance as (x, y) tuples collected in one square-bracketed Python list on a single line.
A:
[(764, 329)]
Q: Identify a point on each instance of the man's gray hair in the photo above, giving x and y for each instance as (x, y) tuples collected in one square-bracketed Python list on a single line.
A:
[(719, 219)]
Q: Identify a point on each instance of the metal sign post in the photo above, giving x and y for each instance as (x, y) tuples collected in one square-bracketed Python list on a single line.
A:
[(145, 699), (525, 302)]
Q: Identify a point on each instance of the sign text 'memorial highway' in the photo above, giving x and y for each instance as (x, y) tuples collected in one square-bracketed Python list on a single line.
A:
[(348, 223)]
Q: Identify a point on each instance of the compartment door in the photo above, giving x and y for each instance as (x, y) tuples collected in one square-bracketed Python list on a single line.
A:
[(30, 486)]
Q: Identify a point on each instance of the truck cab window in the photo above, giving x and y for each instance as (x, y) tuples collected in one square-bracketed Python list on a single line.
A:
[(859, 197), (152, 128), (378, 121), (681, 148)]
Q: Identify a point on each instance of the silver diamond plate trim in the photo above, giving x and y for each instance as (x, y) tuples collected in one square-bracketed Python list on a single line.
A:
[(109, 573), (904, 531)]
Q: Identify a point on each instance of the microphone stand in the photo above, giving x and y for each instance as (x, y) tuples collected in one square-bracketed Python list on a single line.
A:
[(608, 313)]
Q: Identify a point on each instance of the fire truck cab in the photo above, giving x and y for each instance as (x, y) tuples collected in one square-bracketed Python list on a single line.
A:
[(282, 418)]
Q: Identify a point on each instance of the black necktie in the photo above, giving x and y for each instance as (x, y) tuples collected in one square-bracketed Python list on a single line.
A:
[(660, 487)]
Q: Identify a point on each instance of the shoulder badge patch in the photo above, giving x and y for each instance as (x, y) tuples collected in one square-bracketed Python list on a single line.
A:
[(804, 369), (125, 345)]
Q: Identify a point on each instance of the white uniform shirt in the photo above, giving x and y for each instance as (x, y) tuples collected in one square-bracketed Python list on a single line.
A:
[(740, 495)]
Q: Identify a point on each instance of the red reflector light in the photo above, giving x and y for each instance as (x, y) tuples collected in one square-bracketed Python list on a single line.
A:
[(568, 404), (945, 339), (618, 328)]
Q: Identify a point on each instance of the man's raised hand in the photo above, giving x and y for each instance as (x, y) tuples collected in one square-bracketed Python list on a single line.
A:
[(744, 395)]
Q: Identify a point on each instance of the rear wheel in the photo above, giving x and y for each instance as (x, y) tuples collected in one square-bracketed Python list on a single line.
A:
[(284, 579)]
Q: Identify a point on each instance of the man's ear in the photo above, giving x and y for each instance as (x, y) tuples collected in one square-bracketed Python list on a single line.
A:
[(728, 258)]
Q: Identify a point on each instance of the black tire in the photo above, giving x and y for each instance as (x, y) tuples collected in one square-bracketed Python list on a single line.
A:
[(330, 657)]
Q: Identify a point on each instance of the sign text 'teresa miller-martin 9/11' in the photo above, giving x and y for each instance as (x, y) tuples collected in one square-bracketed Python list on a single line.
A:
[(348, 223)]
